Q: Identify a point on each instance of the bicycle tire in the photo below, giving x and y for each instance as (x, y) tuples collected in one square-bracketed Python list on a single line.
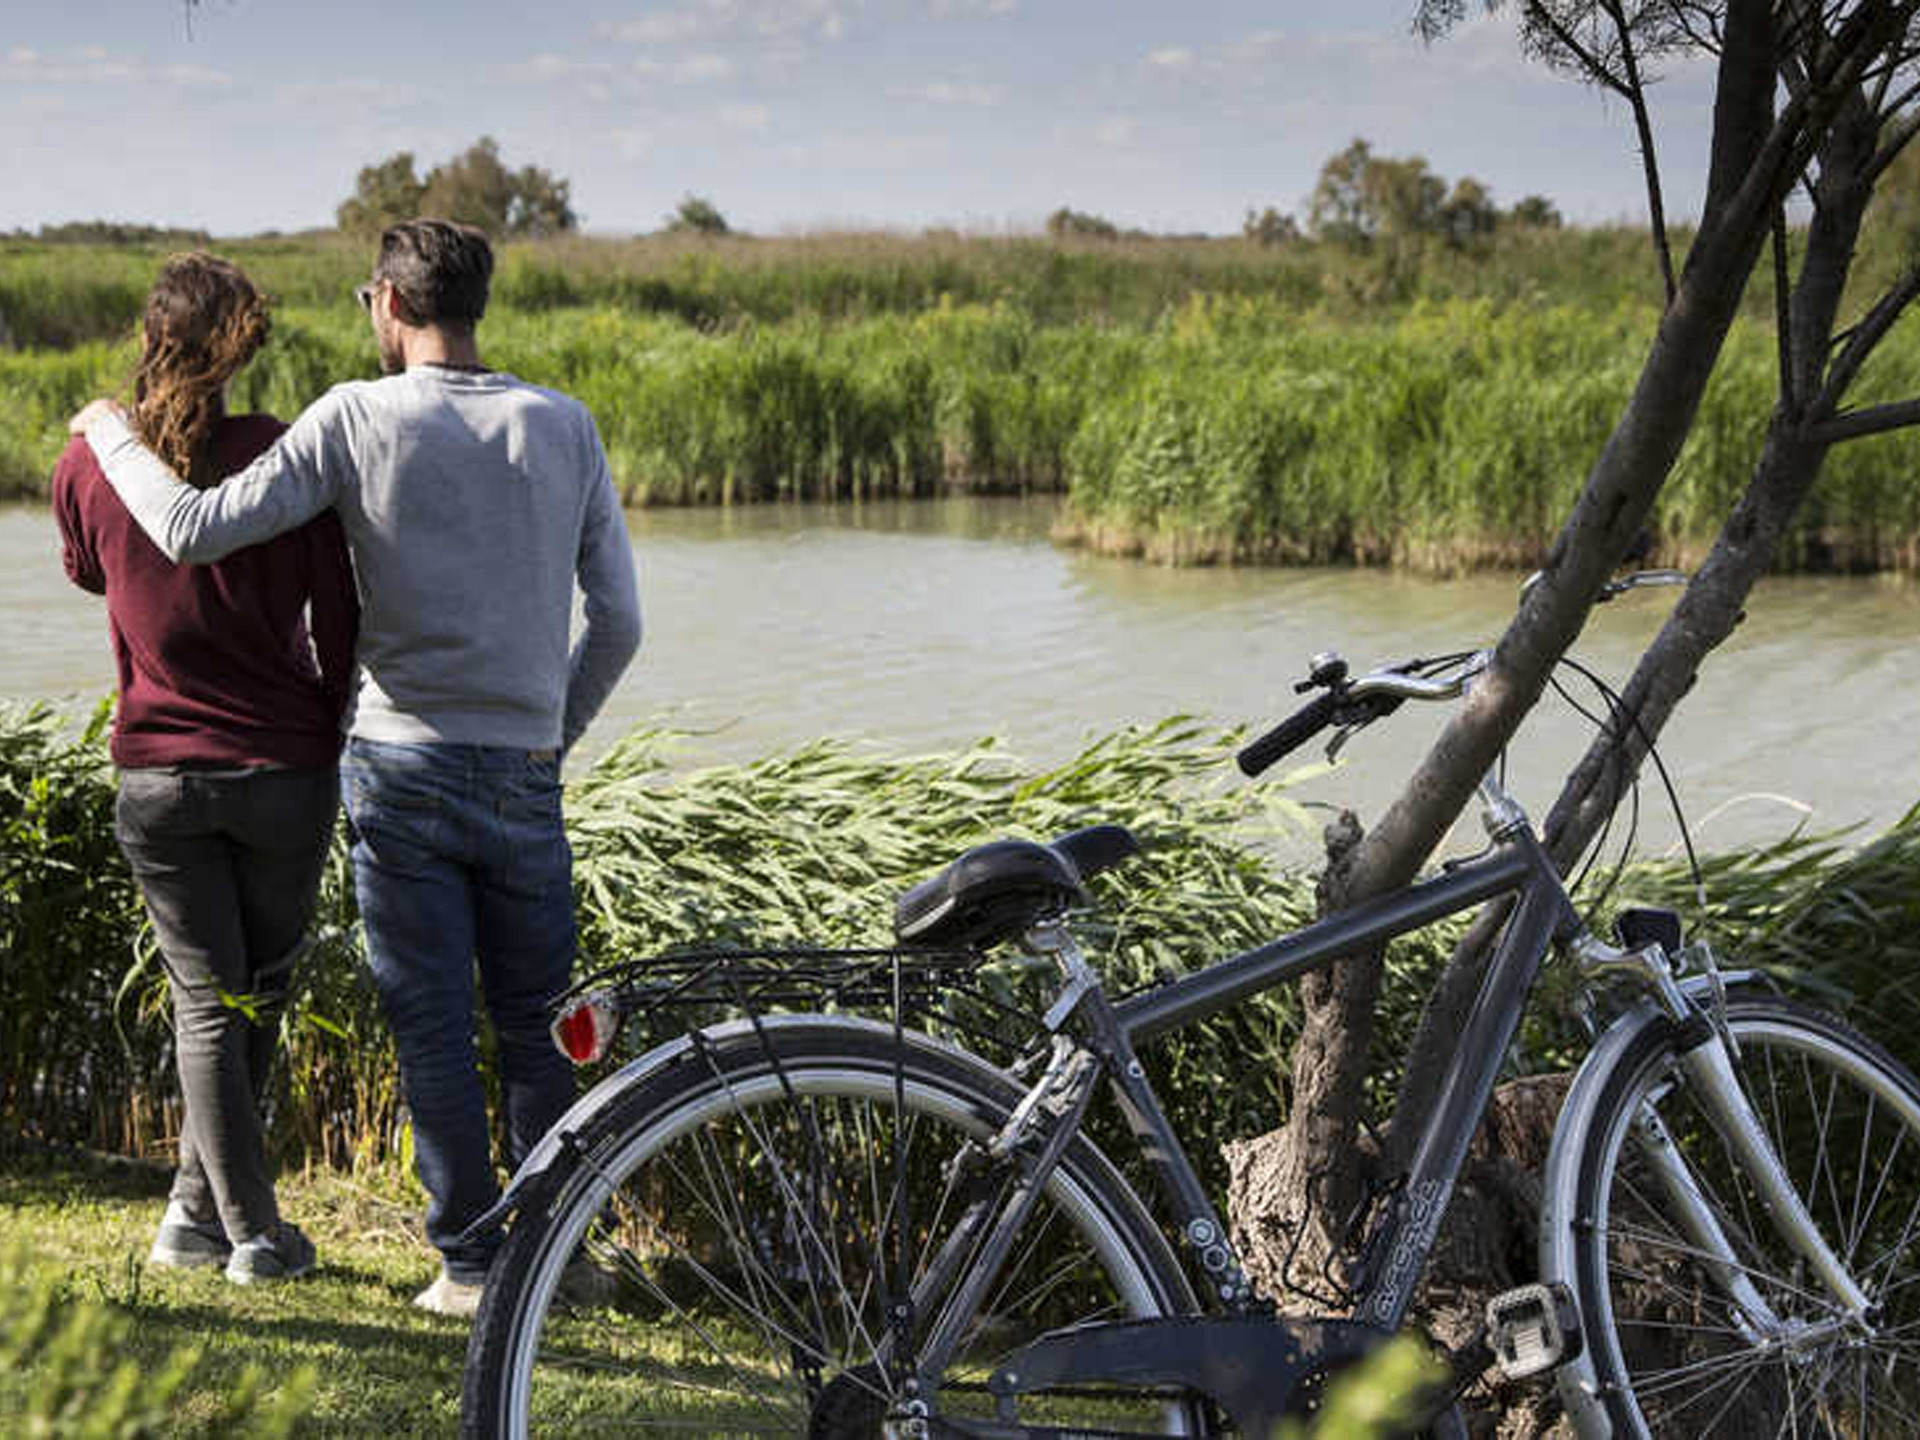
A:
[(769, 1296), (1672, 1351)]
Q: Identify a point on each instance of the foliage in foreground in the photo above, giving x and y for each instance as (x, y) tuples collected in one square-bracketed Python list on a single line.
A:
[(78, 1310), (342, 1352), (82, 1385)]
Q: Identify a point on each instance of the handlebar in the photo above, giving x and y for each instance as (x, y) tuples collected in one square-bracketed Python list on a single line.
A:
[(1351, 704)]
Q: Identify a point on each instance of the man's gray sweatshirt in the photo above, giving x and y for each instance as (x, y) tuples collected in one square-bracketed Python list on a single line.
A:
[(471, 504)]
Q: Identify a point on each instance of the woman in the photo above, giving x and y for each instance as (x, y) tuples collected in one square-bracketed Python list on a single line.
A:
[(226, 736)]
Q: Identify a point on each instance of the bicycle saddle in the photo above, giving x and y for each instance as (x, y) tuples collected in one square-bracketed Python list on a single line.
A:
[(993, 892)]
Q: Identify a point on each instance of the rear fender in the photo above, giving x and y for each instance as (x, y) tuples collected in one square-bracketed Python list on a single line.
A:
[(529, 1179)]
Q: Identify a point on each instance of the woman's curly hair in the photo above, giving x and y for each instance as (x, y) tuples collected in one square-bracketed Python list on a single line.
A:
[(204, 320)]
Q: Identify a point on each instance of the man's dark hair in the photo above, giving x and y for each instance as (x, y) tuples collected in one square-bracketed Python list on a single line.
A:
[(440, 270)]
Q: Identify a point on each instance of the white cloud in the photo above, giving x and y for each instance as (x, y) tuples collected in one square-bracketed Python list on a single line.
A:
[(1114, 130), (665, 27), (752, 118), (91, 65), (697, 69), (352, 92), (549, 66), (198, 77), (1174, 57), (630, 144), (950, 92), (769, 19)]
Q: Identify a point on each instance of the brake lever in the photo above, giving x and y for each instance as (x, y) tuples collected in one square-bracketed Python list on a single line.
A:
[(1344, 734), (1377, 708)]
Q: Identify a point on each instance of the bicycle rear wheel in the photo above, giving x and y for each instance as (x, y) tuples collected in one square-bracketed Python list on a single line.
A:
[(1687, 1344), (751, 1204)]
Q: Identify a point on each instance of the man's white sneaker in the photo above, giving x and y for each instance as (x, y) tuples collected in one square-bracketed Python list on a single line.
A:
[(448, 1296)]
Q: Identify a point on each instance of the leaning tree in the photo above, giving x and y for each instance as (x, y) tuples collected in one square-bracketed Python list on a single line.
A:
[(1816, 98)]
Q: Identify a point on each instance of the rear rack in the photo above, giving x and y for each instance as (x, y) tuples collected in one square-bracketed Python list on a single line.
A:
[(953, 990)]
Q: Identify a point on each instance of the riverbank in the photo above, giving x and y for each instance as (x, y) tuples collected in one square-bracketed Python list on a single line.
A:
[(1193, 402)]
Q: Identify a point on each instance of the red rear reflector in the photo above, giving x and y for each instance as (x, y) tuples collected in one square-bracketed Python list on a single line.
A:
[(584, 1031)]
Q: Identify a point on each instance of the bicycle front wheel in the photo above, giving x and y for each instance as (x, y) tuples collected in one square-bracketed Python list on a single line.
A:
[(756, 1212), (1704, 1320)]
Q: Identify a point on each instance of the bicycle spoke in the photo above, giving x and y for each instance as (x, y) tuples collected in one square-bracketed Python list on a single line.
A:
[(757, 1223), (1677, 1353)]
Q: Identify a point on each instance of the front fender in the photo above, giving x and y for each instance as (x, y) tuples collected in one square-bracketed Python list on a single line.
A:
[(1560, 1182)]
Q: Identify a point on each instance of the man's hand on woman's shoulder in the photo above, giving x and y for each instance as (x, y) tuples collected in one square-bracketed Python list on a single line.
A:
[(94, 410)]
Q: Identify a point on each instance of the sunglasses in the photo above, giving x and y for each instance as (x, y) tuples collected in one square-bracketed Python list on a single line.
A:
[(365, 293)]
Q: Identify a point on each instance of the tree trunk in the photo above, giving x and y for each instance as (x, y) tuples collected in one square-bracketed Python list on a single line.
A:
[(1753, 163), (1330, 1061), (1707, 613)]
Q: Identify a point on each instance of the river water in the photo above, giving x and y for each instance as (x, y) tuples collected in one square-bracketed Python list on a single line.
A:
[(912, 626)]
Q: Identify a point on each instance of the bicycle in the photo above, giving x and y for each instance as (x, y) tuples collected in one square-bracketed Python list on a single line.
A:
[(813, 1221)]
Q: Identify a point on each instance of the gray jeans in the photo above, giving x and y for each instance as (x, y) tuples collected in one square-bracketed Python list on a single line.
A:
[(229, 863)]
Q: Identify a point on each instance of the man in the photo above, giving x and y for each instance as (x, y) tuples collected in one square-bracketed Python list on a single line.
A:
[(472, 502)]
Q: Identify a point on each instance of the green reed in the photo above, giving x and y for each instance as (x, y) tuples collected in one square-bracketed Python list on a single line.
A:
[(813, 845), (1451, 436), (1200, 401)]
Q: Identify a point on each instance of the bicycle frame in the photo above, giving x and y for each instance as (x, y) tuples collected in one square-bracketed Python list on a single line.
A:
[(1517, 865), (1542, 918)]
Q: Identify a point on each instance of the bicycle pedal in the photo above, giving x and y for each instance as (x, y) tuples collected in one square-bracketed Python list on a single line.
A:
[(1532, 1328)]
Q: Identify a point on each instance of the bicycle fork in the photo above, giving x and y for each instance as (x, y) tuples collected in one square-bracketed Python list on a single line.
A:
[(1709, 1071), (1707, 1068)]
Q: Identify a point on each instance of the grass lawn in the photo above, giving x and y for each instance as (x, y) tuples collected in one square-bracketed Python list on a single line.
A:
[(378, 1366)]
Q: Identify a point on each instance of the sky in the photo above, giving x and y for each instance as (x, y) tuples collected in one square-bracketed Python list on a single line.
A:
[(795, 115)]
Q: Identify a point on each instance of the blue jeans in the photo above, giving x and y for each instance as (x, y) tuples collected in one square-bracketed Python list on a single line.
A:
[(459, 855)]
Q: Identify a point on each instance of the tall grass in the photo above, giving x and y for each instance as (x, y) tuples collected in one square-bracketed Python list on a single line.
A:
[(809, 845), (1200, 401), (1454, 436), (78, 1056)]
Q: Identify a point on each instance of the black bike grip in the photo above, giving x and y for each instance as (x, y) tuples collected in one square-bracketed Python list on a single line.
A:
[(1289, 735)]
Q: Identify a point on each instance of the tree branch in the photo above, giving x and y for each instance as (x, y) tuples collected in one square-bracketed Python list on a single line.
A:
[(1636, 93), (1589, 60), (1895, 137), (1873, 420), (1783, 313), (1863, 338)]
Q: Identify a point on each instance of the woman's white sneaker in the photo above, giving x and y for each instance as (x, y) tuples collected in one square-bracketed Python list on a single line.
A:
[(183, 1243)]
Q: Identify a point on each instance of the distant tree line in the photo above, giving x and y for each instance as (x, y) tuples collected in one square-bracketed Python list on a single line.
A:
[(474, 187), (115, 232), (1359, 201), (1362, 199)]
